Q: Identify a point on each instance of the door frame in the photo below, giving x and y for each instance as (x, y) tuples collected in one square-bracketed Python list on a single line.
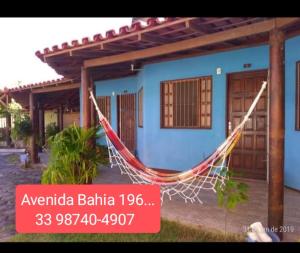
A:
[(268, 112)]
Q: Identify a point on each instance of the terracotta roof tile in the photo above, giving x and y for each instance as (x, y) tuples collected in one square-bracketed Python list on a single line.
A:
[(39, 84), (110, 34), (97, 37)]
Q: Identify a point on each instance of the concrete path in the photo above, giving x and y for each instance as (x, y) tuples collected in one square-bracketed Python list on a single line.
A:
[(210, 216), (11, 174)]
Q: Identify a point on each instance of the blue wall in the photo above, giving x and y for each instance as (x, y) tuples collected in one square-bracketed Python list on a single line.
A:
[(292, 137), (182, 148)]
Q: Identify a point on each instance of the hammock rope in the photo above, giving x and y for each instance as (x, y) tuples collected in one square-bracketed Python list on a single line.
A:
[(188, 184)]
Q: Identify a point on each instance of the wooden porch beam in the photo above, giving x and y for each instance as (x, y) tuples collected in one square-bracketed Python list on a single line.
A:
[(41, 125), (195, 28), (33, 117), (215, 20), (151, 38), (86, 107), (228, 26), (276, 132), (115, 47), (60, 117), (93, 111), (8, 123), (247, 30), (56, 88)]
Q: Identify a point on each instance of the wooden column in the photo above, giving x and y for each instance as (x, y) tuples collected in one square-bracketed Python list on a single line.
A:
[(33, 116), (276, 141), (86, 104), (57, 117), (60, 117), (42, 125), (8, 124), (93, 110)]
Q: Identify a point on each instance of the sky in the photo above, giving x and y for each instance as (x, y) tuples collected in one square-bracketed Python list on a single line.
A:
[(22, 37)]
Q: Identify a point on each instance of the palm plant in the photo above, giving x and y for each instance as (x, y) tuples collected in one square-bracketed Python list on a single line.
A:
[(74, 158)]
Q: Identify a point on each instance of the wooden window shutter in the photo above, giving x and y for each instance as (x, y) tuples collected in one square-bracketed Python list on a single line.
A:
[(186, 103), (104, 104)]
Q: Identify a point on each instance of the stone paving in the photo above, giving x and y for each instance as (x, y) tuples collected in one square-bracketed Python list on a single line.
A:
[(12, 174)]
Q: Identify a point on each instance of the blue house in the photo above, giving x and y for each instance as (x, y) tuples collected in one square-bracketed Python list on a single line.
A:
[(173, 89)]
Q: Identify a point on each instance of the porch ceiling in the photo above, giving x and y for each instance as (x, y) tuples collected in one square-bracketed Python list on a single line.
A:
[(68, 98), (50, 94), (69, 59)]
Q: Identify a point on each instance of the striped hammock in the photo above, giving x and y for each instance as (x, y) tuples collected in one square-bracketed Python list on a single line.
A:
[(187, 184)]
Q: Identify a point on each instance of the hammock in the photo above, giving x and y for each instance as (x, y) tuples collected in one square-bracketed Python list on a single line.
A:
[(188, 184)]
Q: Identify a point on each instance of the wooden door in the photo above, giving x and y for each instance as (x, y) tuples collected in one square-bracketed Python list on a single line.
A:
[(127, 120), (249, 156)]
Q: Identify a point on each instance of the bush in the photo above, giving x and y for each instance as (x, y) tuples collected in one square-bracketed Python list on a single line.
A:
[(51, 130), (22, 129), (73, 160)]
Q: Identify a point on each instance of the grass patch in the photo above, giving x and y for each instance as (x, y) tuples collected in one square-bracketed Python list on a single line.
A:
[(170, 232)]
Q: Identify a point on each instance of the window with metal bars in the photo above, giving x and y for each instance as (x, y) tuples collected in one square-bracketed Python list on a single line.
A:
[(104, 106), (140, 107), (186, 103), (298, 96)]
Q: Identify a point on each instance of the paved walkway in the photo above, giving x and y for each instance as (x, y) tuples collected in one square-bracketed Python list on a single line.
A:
[(11, 174), (210, 216)]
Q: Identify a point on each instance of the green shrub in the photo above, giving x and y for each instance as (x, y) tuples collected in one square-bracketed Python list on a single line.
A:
[(22, 128), (51, 130), (73, 160)]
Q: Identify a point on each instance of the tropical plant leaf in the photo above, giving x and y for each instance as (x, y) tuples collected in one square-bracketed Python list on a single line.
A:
[(73, 159), (231, 193)]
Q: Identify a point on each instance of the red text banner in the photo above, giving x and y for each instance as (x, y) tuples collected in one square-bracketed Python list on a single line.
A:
[(87, 209)]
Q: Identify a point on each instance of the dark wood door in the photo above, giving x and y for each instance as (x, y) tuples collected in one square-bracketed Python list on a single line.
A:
[(127, 120), (249, 156)]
